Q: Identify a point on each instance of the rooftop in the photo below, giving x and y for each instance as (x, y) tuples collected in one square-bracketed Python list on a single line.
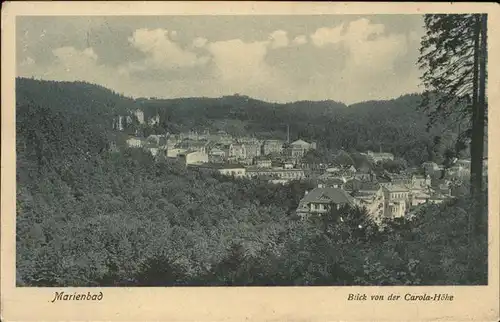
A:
[(220, 166), (327, 195), (299, 142), (396, 188)]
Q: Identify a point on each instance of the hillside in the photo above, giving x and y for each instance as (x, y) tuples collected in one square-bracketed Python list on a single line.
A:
[(89, 217), (395, 126)]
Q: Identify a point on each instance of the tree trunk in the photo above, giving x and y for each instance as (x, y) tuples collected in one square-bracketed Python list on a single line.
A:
[(477, 136), (474, 135), (477, 159)]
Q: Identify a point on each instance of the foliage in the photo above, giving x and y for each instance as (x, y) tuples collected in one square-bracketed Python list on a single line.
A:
[(453, 56), (87, 217)]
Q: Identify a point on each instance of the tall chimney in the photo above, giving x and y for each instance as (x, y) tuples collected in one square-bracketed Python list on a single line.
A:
[(288, 133)]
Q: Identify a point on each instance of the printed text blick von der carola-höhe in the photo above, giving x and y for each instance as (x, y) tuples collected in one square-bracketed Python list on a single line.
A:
[(397, 297), (89, 296)]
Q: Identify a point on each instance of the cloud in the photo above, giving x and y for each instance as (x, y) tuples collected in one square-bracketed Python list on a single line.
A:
[(279, 39), (161, 51), (71, 64), (324, 36), (241, 67), (199, 42), (299, 40), (26, 62), (236, 59)]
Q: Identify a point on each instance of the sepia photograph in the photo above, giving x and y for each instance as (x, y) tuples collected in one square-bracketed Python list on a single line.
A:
[(257, 150)]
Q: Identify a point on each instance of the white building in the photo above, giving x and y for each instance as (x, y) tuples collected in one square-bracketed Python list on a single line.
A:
[(380, 156), (135, 142), (194, 157), (396, 200), (140, 116)]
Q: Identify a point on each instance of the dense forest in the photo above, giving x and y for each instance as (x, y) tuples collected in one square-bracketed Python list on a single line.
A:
[(87, 216)]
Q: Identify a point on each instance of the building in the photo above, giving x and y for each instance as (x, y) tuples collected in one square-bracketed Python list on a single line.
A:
[(236, 170), (380, 156), (321, 200), (305, 146), (118, 123), (139, 114), (175, 152), (396, 200), (272, 146), (220, 137), (359, 185), (194, 145), (262, 162), (275, 173), (217, 153), (194, 157), (297, 149), (237, 151), (332, 182), (135, 142), (252, 149), (430, 167), (420, 182), (293, 152), (365, 175)]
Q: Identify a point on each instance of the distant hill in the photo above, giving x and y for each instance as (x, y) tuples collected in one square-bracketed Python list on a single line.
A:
[(395, 126)]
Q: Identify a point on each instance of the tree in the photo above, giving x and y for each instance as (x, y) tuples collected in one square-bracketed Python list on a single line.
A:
[(453, 55)]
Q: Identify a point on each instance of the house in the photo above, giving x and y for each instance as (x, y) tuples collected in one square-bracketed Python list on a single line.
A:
[(333, 182), (139, 114), (303, 145), (380, 156), (194, 145), (135, 142), (365, 175), (237, 151), (275, 173), (220, 137), (430, 167), (420, 181), (442, 187), (321, 200), (252, 149), (118, 123), (294, 152), (236, 170), (396, 200), (175, 152), (359, 185), (194, 157), (262, 162), (217, 152), (272, 146)]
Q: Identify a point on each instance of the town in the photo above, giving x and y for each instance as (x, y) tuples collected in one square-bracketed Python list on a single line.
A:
[(384, 194)]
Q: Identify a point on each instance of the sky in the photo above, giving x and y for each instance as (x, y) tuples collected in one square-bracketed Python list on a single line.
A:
[(346, 58)]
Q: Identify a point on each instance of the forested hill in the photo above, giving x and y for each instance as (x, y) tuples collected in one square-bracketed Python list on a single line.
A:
[(396, 125), (80, 98), (89, 217)]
